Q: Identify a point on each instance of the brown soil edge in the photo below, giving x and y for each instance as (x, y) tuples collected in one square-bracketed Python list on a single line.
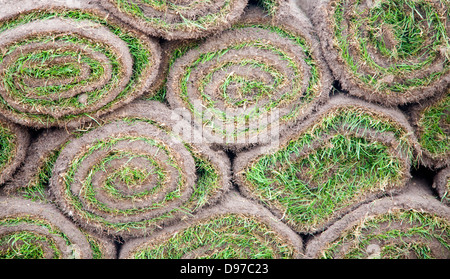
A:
[(295, 22), (417, 196), (414, 114), (39, 149), (10, 9), (11, 207), (233, 203), (147, 28), (320, 16), (162, 115), (440, 183), (247, 158), (22, 144)]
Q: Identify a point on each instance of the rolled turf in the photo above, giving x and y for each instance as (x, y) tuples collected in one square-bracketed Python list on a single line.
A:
[(30, 230), (233, 229), (348, 153), (140, 170), (65, 63), (392, 52), (31, 179), (177, 20), (413, 225), (248, 84), (431, 120)]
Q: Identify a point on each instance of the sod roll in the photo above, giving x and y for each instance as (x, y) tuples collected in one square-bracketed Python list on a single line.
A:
[(246, 85), (30, 230), (136, 173), (413, 225), (177, 20), (234, 229), (441, 183), (348, 153), (63, 63), (14, 141), (31, 179), (387, 51), (431, 121)]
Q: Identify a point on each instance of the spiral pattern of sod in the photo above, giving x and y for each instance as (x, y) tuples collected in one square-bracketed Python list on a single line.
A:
[(176, 20), (62, 66), (252, 81), (14, 141), (234, 229), (30, 230), (349, 153), (432, 124), (137, 173), (409, 226), (391, 51), (442, 185)]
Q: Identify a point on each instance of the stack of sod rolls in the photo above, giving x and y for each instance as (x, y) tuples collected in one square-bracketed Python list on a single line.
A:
[(248, 84), (347, 154), (413, 225), (388, 51), (142, 169), (63, 64), (224, 129)]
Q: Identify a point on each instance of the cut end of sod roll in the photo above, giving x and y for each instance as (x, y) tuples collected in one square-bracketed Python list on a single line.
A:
[(177, 20), (30, 230), (63, 64), (413, 225), (248, 84), (14, 141), (346, 154), (392, 52), (139, 171), (234, 229), (431, 120)]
